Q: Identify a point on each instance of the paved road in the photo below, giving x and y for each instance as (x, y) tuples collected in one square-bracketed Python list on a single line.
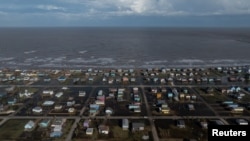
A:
[(70, 135), (154, 131), (209, 106), (138, 85), (121, 117)]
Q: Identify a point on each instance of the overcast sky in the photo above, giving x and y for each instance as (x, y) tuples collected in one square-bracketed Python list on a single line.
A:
[(125, 13)]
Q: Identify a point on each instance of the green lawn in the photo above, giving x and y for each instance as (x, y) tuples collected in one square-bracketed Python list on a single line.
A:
[(12, 129)]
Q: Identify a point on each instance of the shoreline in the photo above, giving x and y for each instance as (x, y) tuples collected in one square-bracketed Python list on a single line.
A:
[(208, 66)]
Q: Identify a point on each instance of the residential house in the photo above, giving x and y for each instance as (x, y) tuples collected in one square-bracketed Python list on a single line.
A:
[(2, 108), (159, 95), (62, 78), (237, 109), (112, 90), (109, 111), (86, 123), (125, 124), (56, 134), (137, 110), (125, 79), (48, 103), (94, 108), (76, 80), (89, 131), (58, 94), (47, 93), (163, 90), (241, 121), (47, 79), (180, 123), (100, 100), (134, 107), (25, 94), (71, 110), (190, 107), (132, 79), (12, 101), (104, 79), (165, 109), (58, 107), (103, 129), (120, 94), (58, 122), (37, 110), (138, 126), (29, 125), (44, 123), (90, 79), (203, 124), (100, 93), (111, 80), (82, 93), (70, 103), (170, 95)]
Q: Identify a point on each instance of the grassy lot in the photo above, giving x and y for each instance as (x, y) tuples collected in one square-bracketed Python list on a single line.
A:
[(12, 129), (116, 132), (215, 98), (168, 129)]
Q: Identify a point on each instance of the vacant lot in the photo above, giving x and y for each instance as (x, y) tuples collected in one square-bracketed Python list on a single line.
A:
[(12, 129), (168, 129)]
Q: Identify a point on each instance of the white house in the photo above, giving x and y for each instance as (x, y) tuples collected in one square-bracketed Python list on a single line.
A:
[(89, 131), (241, 121), (25, 94), (48, 92), (82, 93), (71, 110), (58, 122), (125, 124), (29, 125), (48, 103), (103, 129), (58, 107), (37, 109), (109, 111), (59, 94)]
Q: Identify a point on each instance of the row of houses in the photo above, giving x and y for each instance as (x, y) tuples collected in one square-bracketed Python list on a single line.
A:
[(55, 126), (232, 106), (135, 104), (105, 129)]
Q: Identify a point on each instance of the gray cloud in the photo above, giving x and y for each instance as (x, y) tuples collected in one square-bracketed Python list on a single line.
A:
[(69, 11), (166, 7)]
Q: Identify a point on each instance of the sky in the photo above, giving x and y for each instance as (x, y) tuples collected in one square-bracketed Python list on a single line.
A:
[(194, 13)]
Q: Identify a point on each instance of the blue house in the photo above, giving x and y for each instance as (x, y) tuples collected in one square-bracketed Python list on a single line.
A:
[(170, 95), (44, 123), (61, 78), (55, 134), (93, 108)]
